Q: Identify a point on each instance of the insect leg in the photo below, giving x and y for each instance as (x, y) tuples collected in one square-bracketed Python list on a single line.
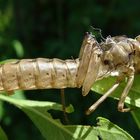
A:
[(124, 94), (99, 101)]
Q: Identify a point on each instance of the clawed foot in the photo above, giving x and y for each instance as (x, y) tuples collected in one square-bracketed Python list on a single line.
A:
[(122, 109)]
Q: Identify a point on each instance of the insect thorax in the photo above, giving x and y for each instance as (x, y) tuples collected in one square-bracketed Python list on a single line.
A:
[(120, 54)]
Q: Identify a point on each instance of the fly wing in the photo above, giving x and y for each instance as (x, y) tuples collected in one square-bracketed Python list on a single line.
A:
[(85, 54), (92, 72)]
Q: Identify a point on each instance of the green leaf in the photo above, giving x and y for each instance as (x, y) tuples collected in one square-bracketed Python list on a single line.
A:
[(109, 131), (53, 129), (19, 94), (1, 109), (18, 48), (8, 60), (132, 99), (136, 116), (104, 130), (2, 135)]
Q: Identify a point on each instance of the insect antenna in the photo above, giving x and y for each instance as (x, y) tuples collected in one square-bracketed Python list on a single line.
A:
[(97, 32)]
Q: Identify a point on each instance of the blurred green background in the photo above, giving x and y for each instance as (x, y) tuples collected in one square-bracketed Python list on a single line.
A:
[(55, 28)]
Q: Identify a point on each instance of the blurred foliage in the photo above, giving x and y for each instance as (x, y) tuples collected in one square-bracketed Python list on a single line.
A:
[(55, 28)]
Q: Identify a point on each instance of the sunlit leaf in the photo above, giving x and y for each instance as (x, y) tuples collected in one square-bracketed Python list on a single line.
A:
[(19, 94), (109, 131), (8, 60), (54, 129), (132, 99)]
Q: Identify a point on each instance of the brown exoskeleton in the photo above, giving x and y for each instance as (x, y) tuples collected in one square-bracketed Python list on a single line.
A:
[(120, 55), (40, 73)]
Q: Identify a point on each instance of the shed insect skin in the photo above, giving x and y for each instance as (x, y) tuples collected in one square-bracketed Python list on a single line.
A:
[(89, 59), (96, 61), (40, 73), (121, 55)]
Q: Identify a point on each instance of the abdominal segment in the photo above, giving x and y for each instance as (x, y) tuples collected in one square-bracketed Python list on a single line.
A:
[(40, 73)]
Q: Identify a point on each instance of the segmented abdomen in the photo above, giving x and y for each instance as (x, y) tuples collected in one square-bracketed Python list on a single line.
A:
[(38, 73)]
